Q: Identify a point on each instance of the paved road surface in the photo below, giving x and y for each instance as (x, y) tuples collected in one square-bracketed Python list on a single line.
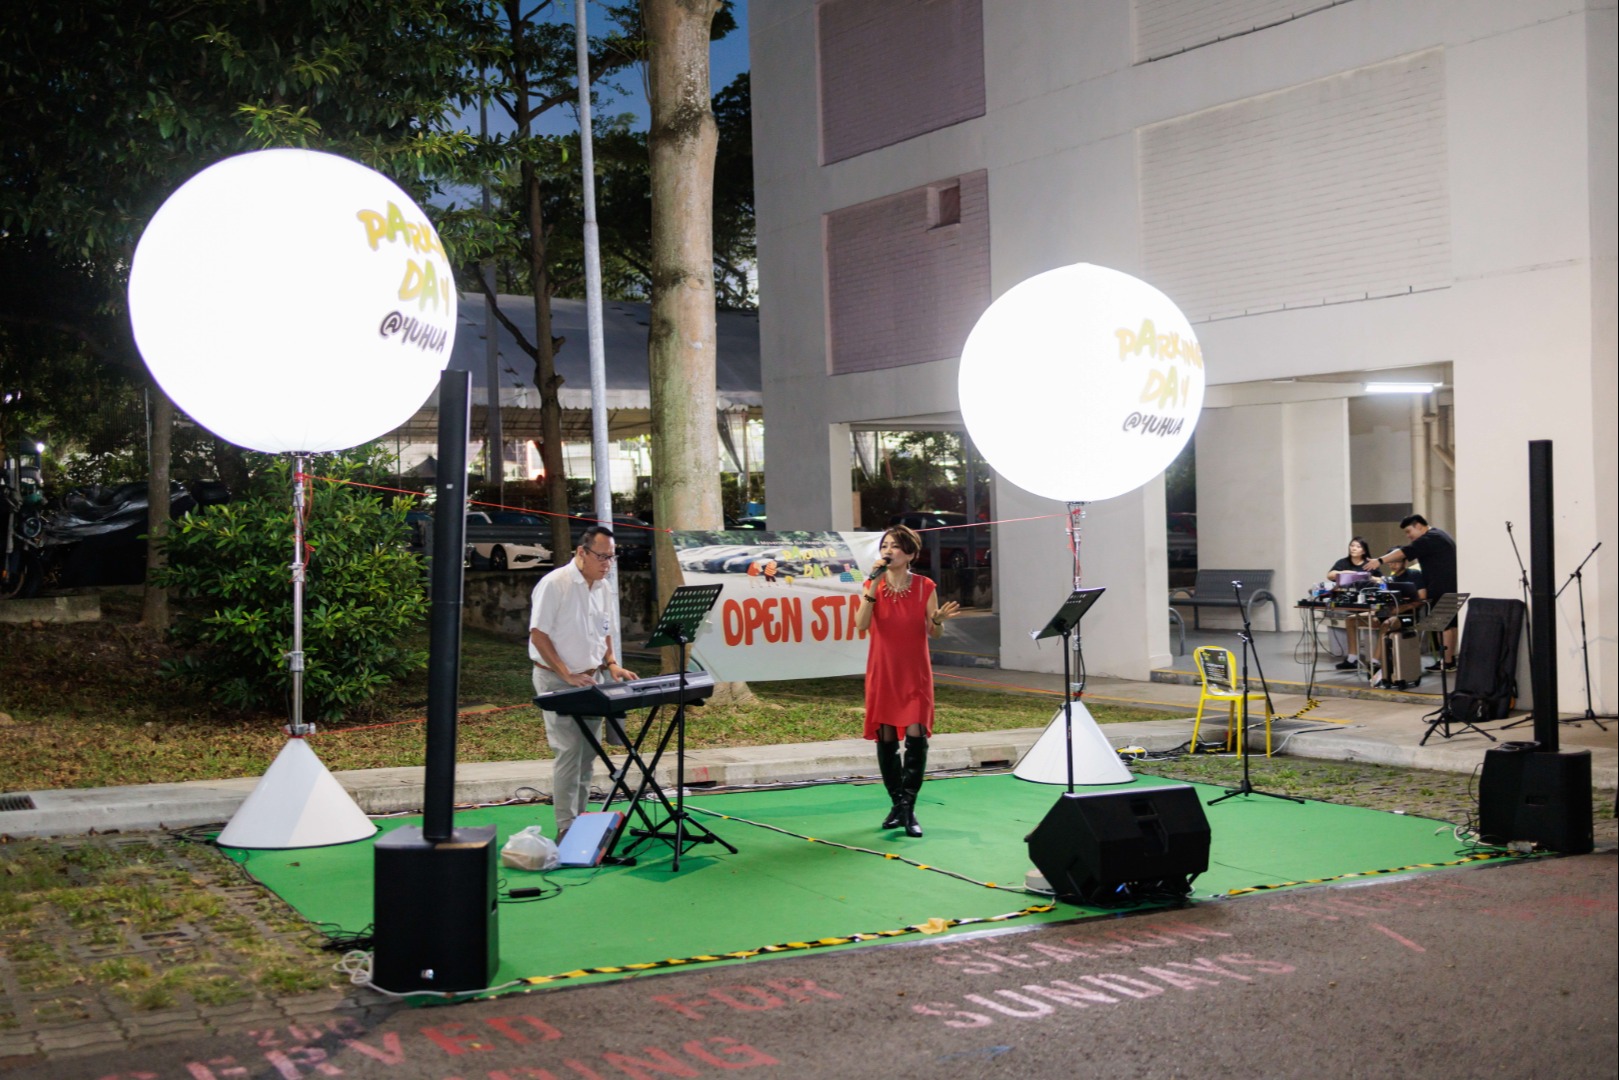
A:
[(1499, 970)]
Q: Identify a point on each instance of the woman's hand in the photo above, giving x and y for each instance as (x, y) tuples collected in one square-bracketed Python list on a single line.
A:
[(946, 611)]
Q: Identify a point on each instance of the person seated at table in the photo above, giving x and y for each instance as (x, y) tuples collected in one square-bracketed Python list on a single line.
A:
[(1400, 578), (1344, 637), (1407, 585), (1359, 554)]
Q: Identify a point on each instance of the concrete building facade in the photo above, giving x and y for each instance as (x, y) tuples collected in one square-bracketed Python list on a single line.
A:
[(1333, 192)]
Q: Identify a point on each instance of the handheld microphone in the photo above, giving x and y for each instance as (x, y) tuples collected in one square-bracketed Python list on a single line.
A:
[(877, 571)]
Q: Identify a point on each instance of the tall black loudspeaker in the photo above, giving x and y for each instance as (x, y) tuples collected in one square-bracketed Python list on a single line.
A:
[(435, 907), (1090, 844), (1527, 794)]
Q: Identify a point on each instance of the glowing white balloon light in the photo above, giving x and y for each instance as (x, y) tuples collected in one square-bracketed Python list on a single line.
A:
[(1081, 383), (291, 301)]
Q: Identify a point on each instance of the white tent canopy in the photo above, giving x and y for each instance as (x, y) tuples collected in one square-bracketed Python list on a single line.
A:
[(628, 383)]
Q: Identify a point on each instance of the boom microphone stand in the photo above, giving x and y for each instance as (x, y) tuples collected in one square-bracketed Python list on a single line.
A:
[(1247, 635), (1585, 653), (1523, 586)]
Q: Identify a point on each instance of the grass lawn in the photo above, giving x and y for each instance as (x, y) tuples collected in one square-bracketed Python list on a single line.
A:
[(84, 705)]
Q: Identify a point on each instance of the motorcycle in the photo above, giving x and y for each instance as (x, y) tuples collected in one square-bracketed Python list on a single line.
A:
[(22, 528), (96, 536)]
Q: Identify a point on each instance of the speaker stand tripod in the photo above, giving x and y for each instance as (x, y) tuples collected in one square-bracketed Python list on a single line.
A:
[(1442, 719), (1246, 787)]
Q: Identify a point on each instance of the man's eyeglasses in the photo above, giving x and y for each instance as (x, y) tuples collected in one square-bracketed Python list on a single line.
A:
[(609, 557)]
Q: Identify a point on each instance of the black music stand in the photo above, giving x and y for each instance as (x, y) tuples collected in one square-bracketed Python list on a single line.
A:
[(677, 626), (1445, 609), (1062, 625)]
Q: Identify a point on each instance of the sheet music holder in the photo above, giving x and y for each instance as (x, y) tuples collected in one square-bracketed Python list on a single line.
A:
[(1062, 625), (1438, 619), (682, 615), (687, 607), (1073, 609)]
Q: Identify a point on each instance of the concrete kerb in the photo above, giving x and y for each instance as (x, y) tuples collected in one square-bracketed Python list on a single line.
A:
[(1382, 733)]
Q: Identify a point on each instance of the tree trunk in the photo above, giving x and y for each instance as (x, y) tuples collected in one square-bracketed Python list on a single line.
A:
[(155, 608), (682, 142)]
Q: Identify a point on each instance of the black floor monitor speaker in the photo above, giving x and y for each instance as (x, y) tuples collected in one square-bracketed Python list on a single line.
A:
[(1525, 794), (435, 925), (1149, 839)]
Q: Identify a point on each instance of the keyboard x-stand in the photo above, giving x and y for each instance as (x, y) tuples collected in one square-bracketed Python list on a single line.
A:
[(677, 626), (613, 701)]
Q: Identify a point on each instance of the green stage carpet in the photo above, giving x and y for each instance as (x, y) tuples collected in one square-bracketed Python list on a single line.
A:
[(783, 890)]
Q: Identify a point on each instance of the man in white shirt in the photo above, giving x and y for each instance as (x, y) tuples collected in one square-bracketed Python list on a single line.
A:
[(570, 641)]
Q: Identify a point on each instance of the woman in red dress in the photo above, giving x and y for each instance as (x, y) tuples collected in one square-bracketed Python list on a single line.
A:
[(902, 611)]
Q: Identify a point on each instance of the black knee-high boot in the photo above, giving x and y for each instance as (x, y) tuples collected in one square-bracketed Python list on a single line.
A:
[(916, 767), (893, 779)]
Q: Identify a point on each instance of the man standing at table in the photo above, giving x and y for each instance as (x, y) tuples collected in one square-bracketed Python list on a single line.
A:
[(1435, 549), (570, 641)]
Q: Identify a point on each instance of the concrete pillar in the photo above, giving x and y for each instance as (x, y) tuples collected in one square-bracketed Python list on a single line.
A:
[(1273, 494), (1123, 547)]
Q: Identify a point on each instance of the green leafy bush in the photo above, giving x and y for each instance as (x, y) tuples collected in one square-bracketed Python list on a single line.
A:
[(229, 571)]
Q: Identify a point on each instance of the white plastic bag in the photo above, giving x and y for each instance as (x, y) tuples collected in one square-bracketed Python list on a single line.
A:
[(529, 849)]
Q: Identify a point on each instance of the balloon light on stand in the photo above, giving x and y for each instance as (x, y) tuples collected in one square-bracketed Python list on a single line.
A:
[(1078, 384), (293, 302)]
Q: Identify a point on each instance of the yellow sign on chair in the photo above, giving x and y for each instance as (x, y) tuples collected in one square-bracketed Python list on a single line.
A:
[(1216, 671)]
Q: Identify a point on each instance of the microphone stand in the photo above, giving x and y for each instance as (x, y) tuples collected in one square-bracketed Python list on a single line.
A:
[(1578, 579), (1523, 585), (1528, 625), (1246, 787)]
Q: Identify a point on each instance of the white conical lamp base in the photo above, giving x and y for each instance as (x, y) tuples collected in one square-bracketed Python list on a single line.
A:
[(1095, 760), (297, 803)]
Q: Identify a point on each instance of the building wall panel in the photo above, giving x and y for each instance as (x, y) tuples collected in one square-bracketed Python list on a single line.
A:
[(901, 288), (894, 69), (1330, 191)]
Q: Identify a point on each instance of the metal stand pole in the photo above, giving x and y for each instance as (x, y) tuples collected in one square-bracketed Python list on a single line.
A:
[(295, 659), (1578, 578)]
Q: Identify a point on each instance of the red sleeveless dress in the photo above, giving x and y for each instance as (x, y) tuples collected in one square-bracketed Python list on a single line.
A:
[(899, 671)]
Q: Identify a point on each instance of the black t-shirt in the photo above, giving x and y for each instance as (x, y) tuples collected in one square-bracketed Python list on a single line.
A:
[(1345, 564), (1408, 584), (1436, 551)]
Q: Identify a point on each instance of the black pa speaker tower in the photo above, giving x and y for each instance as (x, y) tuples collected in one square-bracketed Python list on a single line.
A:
[(1525, 794), (1148, 839), (434, 912)]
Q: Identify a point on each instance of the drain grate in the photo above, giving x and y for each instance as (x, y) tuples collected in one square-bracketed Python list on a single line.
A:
[(16, 802)]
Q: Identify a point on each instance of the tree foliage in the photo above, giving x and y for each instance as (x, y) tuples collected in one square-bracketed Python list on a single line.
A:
[(106, 107), (363, 592)]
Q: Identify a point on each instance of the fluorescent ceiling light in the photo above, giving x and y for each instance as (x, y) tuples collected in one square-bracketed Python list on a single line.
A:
[(1401, 387)]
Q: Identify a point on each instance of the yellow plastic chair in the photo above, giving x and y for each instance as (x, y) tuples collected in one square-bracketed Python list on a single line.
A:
[(1217, 670)]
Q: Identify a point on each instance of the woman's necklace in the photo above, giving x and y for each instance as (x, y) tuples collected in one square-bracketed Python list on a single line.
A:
[(897, 591)]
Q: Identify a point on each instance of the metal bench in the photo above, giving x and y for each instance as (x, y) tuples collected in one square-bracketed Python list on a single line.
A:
[(1212, 589)]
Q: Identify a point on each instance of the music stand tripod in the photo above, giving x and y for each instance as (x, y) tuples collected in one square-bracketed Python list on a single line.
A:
[(1435, 622), (1246, 787), (678, 626), (1062, 624)]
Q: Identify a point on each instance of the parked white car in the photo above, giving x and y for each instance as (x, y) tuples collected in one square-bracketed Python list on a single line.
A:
[(511, 551)]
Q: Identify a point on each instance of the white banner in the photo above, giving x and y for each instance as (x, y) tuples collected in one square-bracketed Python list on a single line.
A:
[(788, 604)]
